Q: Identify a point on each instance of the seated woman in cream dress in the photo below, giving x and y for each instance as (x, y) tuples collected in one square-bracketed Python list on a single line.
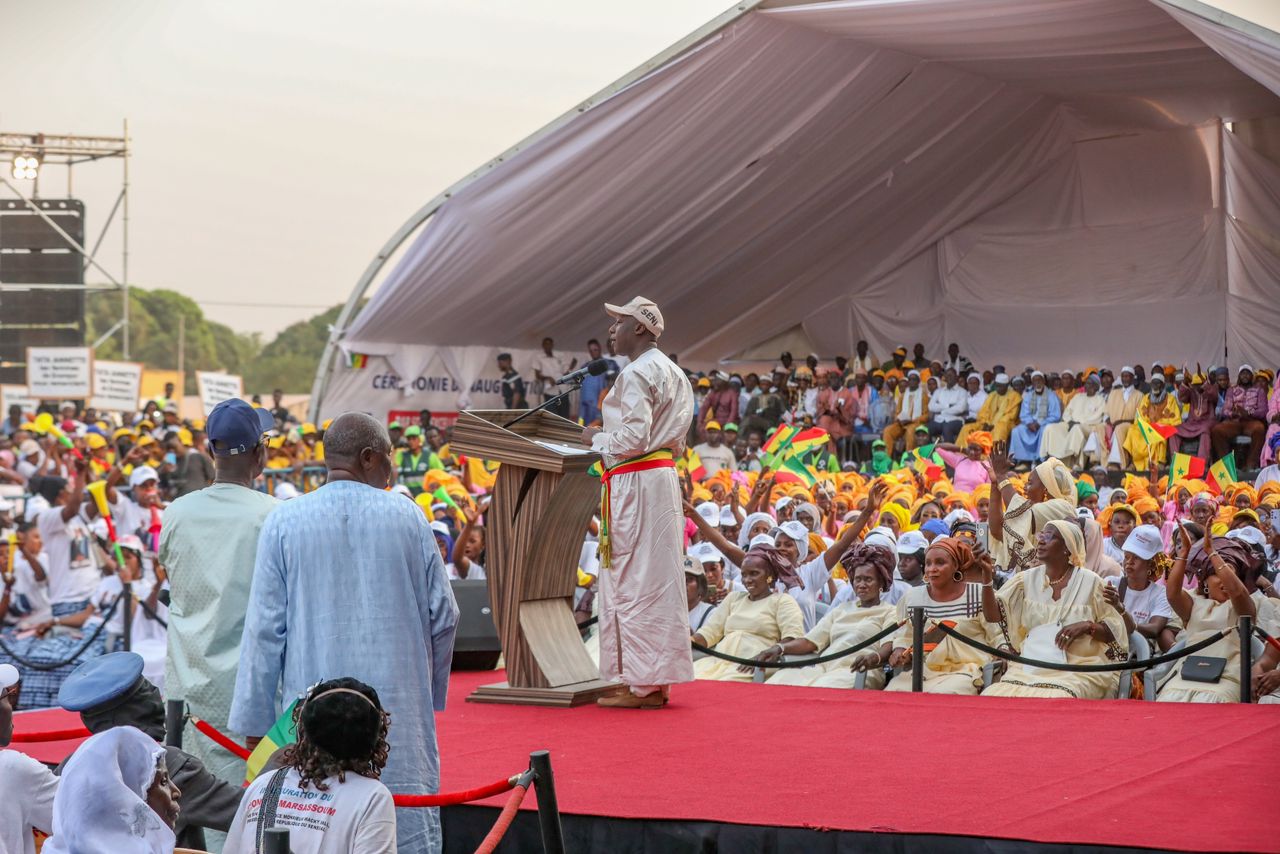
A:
[(745, 624), (950, 666), (1058, 605), (845, 625), (1219, 600)]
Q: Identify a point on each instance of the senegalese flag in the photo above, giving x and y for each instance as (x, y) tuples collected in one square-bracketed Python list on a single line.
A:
[(794, 470), (281, 733), (1223, 473), (359, 360), (692, 464), (1186, 467), (777, 445), (808, 440), (1154, 434)]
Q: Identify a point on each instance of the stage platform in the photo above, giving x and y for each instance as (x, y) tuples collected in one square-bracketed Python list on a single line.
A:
[(743, 767)]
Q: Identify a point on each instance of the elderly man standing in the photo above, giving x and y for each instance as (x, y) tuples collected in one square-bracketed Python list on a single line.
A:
[(349, 582), (208, 544), (644, 623)]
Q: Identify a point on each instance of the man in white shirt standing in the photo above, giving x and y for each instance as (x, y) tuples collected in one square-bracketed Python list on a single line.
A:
[(644, 612), (947, 408), (27, 787), (548, 367)]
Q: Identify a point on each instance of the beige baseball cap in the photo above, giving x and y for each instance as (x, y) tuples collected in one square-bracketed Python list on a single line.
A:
[(643, 310)]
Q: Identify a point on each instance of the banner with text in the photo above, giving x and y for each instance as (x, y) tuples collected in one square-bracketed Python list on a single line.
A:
[(59, 372), (116, 386), (16, 395), (215, 388)]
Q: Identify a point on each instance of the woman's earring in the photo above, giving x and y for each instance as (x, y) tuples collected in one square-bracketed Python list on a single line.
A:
[(958, 575)]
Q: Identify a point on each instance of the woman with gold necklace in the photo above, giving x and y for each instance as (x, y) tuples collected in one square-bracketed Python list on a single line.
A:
[(1056, 611)]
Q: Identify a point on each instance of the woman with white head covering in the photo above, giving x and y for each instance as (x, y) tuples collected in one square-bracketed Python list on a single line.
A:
[(1057, 612), (115, 796)]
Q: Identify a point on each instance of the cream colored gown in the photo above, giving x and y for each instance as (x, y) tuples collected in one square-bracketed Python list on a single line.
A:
[(843, 626), (744, 627), (1028, 603)]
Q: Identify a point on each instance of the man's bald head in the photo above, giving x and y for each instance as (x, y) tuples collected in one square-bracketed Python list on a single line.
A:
[(357, 445)]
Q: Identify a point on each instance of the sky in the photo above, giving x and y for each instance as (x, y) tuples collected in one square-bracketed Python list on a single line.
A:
[(277, 145)]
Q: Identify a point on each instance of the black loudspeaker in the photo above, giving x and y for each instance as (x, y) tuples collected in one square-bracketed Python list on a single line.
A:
[(476, 645)]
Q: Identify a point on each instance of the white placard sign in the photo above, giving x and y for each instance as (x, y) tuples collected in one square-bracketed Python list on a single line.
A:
[(11, 395), (215, 388), (59, 372), (116, 386)]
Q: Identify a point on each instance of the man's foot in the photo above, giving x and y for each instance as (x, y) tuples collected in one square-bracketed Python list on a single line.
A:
[(627, 700)]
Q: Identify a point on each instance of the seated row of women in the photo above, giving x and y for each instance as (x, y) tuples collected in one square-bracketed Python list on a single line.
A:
[(1057, 612)]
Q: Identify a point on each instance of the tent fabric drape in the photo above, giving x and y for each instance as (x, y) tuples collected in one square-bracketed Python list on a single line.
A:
[(1018, 177)]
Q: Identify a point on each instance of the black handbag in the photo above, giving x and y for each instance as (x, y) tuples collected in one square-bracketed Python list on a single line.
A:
[(1203, 668)]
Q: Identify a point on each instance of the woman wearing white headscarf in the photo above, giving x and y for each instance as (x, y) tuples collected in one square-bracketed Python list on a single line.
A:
[(115, 796), (1015, 521), (1056, 612)]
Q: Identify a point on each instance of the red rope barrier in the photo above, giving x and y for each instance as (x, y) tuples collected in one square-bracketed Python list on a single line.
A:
[(441, 800), (52, 735), (499, 829), (219, 738), (446, 799)]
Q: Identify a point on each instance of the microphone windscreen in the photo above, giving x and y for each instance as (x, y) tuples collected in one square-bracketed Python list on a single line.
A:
[(596, 367)]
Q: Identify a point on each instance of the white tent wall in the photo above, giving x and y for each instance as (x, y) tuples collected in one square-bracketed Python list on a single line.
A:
[(1019, 177)]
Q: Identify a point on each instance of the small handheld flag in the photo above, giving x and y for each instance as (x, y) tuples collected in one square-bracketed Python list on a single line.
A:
[(1223, 472), (282, 733)]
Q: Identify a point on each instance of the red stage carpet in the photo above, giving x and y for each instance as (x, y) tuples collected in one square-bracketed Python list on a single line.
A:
[(1117, 773)]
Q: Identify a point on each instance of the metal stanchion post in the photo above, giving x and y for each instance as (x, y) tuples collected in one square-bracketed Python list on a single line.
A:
[(126, 602), (1245, 628), (548, 809), (174, 720), (275, 841), (917, 649)]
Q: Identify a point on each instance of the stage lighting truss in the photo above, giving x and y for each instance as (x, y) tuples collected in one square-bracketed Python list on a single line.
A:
[(25, 167)]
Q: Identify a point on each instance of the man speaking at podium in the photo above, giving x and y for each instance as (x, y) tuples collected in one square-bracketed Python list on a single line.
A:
[(644, 622)]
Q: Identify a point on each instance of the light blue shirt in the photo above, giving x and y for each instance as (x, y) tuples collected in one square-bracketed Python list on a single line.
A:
[(349, 582)]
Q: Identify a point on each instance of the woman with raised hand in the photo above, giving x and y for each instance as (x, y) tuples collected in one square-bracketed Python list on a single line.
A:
[(1219, 600), (1056, 612)]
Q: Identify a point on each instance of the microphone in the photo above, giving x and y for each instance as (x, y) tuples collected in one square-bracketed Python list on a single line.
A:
[(595, 368)]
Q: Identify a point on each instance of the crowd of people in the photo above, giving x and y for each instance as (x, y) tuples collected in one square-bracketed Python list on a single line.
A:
[(1038, 513)]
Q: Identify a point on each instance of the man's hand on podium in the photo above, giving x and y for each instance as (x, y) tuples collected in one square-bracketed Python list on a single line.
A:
[(587, 433)]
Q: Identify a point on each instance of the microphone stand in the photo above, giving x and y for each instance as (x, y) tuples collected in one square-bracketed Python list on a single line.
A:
[(574, 386)]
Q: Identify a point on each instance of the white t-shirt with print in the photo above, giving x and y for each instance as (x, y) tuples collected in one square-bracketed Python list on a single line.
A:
[(1144, 604), (355, 817), (72, 568)]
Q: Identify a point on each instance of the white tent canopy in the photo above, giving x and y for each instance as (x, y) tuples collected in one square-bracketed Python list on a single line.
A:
[(1043, 181)]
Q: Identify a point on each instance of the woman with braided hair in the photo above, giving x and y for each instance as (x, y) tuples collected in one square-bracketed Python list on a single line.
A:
[(1220, 598), (327, 792), (870, 569)]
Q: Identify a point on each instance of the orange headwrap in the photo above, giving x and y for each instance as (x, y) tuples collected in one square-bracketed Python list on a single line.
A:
[(1104, 518), (982, 439), (1144, 505), (959, 550)]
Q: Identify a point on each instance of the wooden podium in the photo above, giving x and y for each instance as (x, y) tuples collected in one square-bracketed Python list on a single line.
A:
[(542, 503)]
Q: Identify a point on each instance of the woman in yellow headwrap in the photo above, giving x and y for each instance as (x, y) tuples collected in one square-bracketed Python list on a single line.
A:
[(981, 496), (1017, 521), (895, 517)]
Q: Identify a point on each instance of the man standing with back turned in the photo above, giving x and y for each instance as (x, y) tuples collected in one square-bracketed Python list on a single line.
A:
[(348, 581), (644, 624)]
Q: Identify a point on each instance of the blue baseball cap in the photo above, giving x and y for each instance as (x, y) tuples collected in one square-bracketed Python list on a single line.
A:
[(100, 680), (235, 427)]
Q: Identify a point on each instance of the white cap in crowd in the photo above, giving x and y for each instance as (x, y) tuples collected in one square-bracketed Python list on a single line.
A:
[(710, 513), (910, 542), (1144, 541), (706, 553), (1248, 534), (761, 540), (728, 519)]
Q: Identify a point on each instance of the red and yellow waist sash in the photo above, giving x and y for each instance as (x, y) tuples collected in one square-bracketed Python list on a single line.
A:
[(663, 458)]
